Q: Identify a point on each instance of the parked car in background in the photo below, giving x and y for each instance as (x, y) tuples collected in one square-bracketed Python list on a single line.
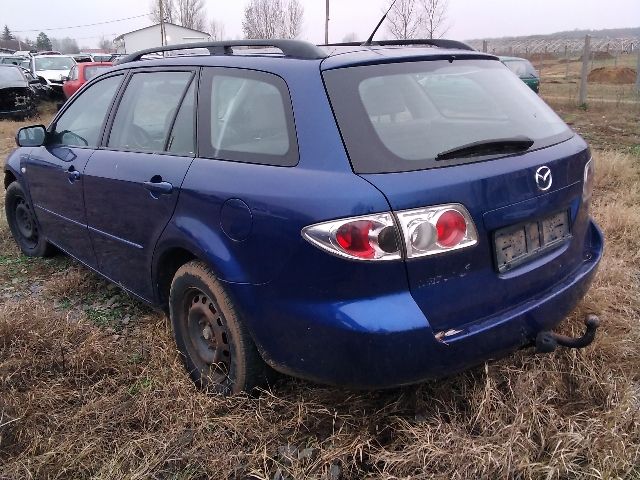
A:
[(43, 90), (81, 74), (102, 57), (361, 215), (13, 60), (19, 94), (523, 69), (82, 58), (53, 69)]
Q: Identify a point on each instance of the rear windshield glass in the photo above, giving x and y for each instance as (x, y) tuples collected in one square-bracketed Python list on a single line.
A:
[(401, 116), (90, 72), (522, 68), (54, 63)]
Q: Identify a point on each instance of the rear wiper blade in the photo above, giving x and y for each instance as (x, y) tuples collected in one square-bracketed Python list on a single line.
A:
[(488, 147)]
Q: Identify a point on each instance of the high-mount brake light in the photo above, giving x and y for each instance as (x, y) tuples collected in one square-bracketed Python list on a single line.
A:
[(439, 229), (369, 237)]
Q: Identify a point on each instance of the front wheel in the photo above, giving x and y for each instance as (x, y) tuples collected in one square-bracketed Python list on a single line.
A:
[(218, 352), (23, 224)]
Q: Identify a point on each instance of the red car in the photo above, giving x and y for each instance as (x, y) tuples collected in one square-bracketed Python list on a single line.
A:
[(81, 74)]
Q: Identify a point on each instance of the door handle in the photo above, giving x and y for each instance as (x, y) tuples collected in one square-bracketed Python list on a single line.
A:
[(73, 174), (159, 187)]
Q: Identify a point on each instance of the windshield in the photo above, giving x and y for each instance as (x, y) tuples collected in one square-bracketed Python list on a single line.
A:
[(54, 63), (90, 72), (10, 74), (402, 116), (522, 68)]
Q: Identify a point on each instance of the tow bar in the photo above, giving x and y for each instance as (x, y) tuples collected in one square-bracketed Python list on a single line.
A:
[(547, 341)]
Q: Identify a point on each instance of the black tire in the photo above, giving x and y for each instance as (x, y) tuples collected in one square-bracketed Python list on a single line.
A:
[(217, 350), (23, 224)]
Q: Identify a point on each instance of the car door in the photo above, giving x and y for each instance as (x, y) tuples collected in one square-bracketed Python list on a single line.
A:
[(54, 171), (132, 183), (70, 86)]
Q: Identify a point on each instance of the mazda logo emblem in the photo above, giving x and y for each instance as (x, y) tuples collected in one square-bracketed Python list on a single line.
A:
[(544, 178)]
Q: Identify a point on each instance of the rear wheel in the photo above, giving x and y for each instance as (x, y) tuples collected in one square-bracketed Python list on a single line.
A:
[(218, 352), (23, 223)]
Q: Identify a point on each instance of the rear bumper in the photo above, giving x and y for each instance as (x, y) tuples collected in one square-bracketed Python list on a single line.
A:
[(386, 341)]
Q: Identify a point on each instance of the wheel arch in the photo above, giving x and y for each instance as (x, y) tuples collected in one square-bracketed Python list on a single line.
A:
[(166, 264), (9, 178)]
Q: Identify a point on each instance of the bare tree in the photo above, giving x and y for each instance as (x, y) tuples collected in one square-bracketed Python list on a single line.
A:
[(191, 14), (105, 44), (216, 30), (65, 45), (263, 19), (435, 17), (294, 13), (406, 19), (272, 19), (169, 10), (350, 37)]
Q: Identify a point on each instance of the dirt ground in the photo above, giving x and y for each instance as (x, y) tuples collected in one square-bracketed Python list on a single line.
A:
[(613, 75), (91, 385)]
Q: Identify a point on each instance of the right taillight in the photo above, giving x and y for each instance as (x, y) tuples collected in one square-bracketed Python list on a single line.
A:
[(589, 177), (439, 229)]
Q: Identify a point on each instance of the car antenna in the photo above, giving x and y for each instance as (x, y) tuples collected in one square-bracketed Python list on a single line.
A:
[(370, 39)]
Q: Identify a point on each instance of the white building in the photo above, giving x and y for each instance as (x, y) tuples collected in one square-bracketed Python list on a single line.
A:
[(150, 37)]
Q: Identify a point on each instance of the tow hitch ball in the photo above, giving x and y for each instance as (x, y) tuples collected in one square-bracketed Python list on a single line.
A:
[(547, 341)]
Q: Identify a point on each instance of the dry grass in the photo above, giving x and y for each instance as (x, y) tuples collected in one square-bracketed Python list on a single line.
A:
[(84, 394)]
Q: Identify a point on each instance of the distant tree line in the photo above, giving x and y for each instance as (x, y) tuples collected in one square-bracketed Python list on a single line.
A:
[(45, 43)]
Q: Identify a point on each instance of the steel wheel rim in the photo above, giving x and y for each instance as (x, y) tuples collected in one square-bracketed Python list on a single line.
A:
[(207, 339), (25, 223)]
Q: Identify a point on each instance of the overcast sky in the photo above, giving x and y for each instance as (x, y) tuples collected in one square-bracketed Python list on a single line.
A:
[(468, 18)]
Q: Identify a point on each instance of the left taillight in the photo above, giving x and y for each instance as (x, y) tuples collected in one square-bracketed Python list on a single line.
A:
[(368, 237)]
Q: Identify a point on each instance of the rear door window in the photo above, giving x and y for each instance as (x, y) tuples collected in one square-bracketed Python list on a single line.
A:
[(246, 116), (182, 139), (147, 110)]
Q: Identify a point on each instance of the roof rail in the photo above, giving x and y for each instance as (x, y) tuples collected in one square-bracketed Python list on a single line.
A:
[(290, 48), (434, 42)]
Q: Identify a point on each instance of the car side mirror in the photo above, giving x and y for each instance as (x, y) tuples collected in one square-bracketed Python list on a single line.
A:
[(33, 136), (65, 79)]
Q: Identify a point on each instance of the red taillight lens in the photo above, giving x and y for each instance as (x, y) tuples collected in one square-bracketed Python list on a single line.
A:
[(451, 228), (353, 237), (369, 237)]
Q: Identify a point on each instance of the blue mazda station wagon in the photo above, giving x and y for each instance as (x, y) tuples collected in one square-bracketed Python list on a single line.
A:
[(360, 215)]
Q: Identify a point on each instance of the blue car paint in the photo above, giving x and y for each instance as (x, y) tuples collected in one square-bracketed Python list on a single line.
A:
[(322, 317)]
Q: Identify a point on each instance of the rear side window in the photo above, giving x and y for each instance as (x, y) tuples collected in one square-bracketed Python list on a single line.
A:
[(246, 116), (147, 110), (81, 124)]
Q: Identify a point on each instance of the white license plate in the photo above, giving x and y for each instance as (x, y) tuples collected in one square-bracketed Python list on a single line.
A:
[(517, 244)]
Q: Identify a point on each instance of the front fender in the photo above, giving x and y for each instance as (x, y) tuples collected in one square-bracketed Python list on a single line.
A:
[(15, 164)]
